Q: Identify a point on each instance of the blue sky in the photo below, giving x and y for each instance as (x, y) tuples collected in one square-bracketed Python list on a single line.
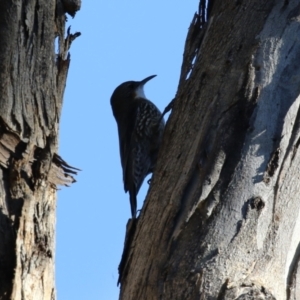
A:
[(120, 41)]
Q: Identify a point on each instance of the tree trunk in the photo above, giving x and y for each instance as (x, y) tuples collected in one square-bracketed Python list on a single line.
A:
[(221, 219), (32, 82)]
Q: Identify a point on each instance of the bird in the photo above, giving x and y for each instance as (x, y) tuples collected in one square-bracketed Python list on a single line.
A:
[(140, 129)]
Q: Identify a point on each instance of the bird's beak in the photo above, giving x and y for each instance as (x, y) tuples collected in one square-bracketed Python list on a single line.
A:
[(146, 80)]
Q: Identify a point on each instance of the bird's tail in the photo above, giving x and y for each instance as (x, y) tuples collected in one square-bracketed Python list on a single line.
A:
[(132, 198)]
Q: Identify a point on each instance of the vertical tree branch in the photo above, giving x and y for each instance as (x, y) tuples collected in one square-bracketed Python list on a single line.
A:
[(32, 82)]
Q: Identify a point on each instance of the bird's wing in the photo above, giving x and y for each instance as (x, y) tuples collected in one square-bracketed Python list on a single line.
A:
[(133, 149), (139, 142), (127, 143)]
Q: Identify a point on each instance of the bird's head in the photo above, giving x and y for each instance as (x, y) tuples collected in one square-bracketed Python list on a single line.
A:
[(130, 90)]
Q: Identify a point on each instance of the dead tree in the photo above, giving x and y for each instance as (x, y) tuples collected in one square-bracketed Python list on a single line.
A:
[(32, 83), (221, 219)]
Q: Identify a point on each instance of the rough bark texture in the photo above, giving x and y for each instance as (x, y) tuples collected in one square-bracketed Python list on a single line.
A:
[(32, 82), (221, 220)]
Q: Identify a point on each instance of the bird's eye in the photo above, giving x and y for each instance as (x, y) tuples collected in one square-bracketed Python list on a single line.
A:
[(131, 85)]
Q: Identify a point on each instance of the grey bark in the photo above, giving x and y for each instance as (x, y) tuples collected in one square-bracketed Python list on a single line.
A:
[(221, 219), (32, 82)]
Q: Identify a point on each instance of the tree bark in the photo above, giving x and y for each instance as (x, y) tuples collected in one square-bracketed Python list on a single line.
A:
[(32, 82), (221, 219)]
